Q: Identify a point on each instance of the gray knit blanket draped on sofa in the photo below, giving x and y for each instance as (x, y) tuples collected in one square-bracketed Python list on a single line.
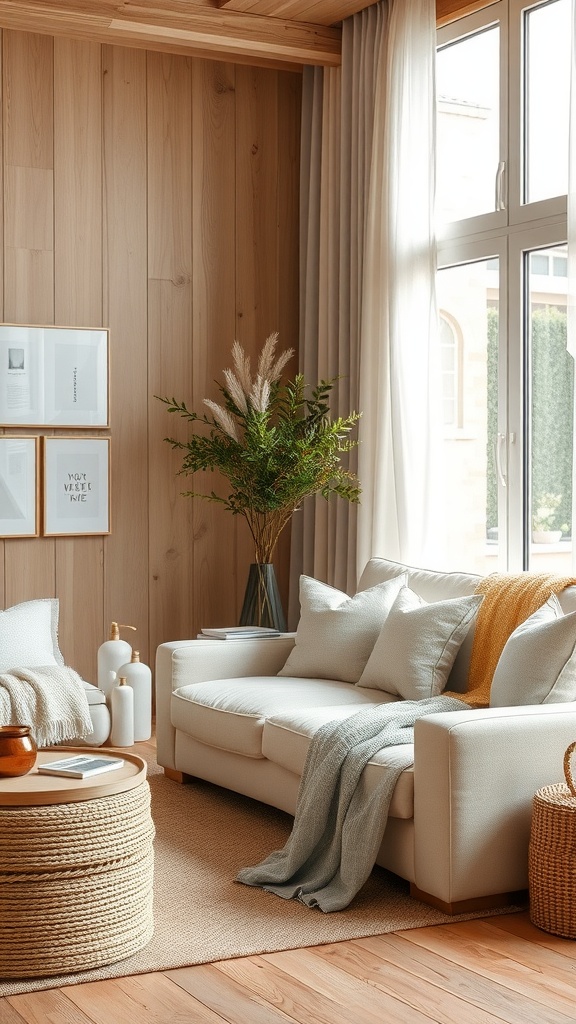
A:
[(338, 826)]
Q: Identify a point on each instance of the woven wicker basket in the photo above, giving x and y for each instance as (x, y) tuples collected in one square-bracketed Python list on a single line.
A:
[(552, 856)]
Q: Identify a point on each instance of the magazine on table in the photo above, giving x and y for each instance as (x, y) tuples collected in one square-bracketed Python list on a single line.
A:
[(239, 633), (81, 766)]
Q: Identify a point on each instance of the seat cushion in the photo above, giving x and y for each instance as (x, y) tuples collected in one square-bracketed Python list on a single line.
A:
[(231, 713), (287, 738), (94, 695)]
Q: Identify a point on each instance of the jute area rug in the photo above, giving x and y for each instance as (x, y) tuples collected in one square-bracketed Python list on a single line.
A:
[(204, 835)]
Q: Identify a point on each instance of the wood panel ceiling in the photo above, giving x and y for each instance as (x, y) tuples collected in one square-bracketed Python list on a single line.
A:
[(284, 34)]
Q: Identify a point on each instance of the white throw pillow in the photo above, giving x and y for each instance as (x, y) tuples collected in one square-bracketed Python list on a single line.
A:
[(417, 645), (29, 635), (538, 662), (336, 633)]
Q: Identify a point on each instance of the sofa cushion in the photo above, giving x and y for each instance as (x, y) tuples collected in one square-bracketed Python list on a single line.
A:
[(230, 713), (287, 738), (567, 600), (430, 584), (29, 635), (93, 694), (418, 644), (336, 633), (538, 662)]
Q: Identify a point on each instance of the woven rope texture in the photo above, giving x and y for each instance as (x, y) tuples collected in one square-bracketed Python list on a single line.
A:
[(75, 884)]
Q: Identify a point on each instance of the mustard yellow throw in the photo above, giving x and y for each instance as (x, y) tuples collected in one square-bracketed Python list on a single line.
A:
[(509, 599)]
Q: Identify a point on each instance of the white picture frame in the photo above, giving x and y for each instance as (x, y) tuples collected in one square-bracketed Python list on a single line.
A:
[(76, 486), (19, 490), (54, 376)]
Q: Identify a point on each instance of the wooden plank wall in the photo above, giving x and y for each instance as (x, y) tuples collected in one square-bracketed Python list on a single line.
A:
[(155, 195)]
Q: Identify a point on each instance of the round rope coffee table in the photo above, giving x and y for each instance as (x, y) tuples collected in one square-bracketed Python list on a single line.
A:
[(76, 868)]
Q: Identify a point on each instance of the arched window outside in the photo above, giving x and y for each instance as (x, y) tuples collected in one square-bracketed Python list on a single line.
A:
[(450, 363)]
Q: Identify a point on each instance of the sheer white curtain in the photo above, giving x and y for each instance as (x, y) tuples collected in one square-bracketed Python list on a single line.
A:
[(367, 276), (397, 365), (571, 297), (572, 200)]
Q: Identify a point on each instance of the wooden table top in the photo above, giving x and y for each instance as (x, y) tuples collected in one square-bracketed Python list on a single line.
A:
[(33, 789)]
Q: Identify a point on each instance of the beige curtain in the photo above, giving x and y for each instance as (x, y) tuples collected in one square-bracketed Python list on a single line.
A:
[(338, 111), (346, 288)]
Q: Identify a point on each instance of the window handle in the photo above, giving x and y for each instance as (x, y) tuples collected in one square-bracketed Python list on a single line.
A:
[(500, 442), (500, 191)]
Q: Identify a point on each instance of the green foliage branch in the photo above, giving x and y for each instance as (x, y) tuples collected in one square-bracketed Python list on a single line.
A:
[(275, 442)]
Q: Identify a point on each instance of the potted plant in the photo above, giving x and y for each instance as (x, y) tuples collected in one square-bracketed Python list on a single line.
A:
[(275, 443), (544, 519)]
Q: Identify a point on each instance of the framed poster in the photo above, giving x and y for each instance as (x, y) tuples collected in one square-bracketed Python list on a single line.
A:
[(19, 492), (76, 486), (53, 376)]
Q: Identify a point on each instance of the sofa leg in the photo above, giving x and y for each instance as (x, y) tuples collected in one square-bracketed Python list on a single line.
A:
[(500, 899), (180, 777)]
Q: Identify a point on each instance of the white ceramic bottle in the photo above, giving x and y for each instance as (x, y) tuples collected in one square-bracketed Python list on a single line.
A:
[(113, 653), (139, 677), (122, 708)]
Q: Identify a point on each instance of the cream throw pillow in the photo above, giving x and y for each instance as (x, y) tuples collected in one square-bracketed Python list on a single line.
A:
[(336, 633), (538, 662), (29, 635), (417, 645)]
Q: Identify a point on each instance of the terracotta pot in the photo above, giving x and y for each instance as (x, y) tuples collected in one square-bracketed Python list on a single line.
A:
[(17, 750)]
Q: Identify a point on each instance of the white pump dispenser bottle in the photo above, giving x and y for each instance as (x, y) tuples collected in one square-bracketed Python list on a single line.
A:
[(113, 653)]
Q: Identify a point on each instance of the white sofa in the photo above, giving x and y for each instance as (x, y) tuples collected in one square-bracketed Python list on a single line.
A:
[(459, 822)]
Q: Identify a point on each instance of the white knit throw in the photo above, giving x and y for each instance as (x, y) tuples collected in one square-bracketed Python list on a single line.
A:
[(339, 825), (52, 700)]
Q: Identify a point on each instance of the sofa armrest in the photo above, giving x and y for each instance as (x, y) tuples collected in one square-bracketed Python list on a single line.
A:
[(475, 776), (195, 661)]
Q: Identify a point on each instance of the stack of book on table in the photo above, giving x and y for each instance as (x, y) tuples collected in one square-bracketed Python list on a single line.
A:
[(239, 633)]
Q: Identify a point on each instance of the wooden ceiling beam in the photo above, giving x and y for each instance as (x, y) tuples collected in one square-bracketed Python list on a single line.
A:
[(320, 12), (191, 29)]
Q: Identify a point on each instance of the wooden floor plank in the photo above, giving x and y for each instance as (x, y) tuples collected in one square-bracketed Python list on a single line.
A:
[(355, 973), (449, 980), (40, 1007), (545, 960), (521, 925), (223, 995), (540, 978), (325, 978), (8, 1014), (140, 999), (309, 1006)]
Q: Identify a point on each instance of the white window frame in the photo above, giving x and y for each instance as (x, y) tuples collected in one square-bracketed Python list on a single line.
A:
[(506, 234)]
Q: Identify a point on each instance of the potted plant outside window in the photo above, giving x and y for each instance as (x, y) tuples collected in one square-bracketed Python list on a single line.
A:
[(545, 529)]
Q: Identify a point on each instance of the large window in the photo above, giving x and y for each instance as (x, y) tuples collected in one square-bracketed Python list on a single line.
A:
[(502, 168)]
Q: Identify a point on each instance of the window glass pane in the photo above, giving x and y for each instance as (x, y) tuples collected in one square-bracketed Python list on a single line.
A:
[(560, 266), (551, 423), (449, 367), (547, 85), (539, 263), (467, 77), (468, 300)]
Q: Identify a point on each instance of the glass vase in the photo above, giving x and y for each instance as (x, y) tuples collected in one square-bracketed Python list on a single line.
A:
[(262, 605)]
